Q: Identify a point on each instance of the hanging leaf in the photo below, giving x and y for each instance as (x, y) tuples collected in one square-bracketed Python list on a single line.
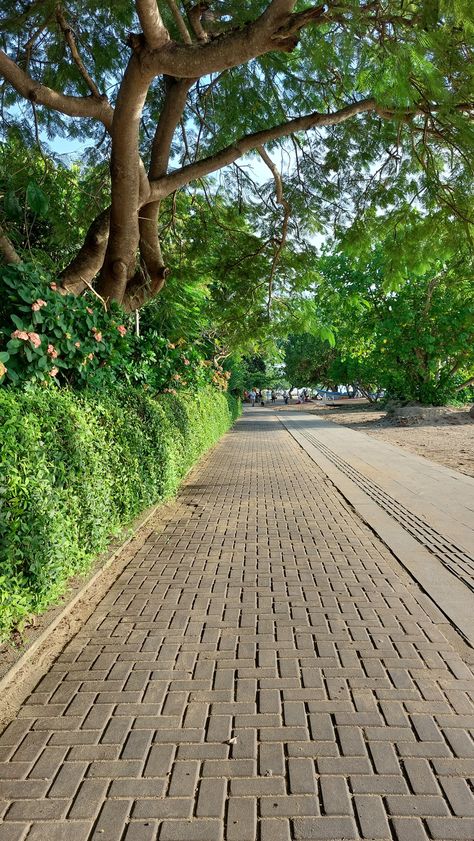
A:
[(11, 206), (327, 335), (37, 200)]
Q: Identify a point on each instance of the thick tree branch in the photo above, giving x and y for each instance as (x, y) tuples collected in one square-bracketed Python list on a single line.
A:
[(162, 187), (279, 9), (90, 257), (154, 30), (7, 249), (230, 50), (148, 281), (74, 106), (465, 384), (179, 21), (172, 111), (71, 42), (127, 182), (175, 180), (194, 16)]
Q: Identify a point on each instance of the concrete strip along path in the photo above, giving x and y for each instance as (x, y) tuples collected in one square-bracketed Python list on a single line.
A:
[(263, 670), (423, 511)]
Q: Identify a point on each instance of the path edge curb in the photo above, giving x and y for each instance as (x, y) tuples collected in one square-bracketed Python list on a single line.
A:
[(12, 693), (23, 664)]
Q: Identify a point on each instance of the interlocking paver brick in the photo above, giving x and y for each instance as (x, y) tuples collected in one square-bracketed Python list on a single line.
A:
[(262, 669), (141, 831), (423, 804), (241, 819), (112, 820), (372, 817), (13, 832), (325, 829), (459, 795), (195, 830), (409, 829), (451, 829), (335, 796), (290, 807), (89, 799), (301, 776), (168, 807), (212, 798), (275, 830)]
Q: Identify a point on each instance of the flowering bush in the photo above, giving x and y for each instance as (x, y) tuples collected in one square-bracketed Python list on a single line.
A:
[(75, 467), (48, 338)]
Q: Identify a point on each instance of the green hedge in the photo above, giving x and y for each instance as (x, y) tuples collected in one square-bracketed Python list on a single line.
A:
[(75, 468)]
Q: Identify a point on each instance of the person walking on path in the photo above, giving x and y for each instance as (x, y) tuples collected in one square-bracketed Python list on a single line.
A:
[(252, 397), (274, 397)]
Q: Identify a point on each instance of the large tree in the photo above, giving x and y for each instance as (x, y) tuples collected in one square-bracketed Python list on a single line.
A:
[(366, 96)]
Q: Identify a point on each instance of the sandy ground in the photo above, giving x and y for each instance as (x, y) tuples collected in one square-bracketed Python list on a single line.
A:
[(447, 438)]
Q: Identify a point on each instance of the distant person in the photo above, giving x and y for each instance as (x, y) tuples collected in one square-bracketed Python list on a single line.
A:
[(252, 397), (274, 397), (285, 397)]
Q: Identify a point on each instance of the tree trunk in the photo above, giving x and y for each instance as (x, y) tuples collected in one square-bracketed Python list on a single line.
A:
[(89, 260), (124, 236), (7, 249)]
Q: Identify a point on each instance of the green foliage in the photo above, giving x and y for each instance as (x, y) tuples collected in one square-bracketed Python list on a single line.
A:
[(74, 468), (45, 205), (46, 338), (414, 341), (262, 371), (308, 360)]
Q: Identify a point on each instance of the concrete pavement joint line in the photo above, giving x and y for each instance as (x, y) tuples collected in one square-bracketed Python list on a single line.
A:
[(459, 563), (448, 593)]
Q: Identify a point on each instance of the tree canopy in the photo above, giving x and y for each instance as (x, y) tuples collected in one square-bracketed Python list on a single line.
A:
[(414, 342), (359, 112)]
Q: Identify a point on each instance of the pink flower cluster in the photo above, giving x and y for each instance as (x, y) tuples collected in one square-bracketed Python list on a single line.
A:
[(186, 361), (97, 334), (52, 352), (53, 286), (122, 330), (170, 391), (53, 372), (38, 304), (33, 337)]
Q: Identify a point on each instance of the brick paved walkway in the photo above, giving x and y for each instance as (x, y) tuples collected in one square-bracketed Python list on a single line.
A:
[(261, 670)]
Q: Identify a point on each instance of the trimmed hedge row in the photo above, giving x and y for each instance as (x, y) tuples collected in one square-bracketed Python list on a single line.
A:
[(74, 468)]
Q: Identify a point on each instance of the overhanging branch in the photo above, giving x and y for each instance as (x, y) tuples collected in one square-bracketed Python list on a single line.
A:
[(169, 183), (179, 21), (71, 42), (90, 107), (286, 218)]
